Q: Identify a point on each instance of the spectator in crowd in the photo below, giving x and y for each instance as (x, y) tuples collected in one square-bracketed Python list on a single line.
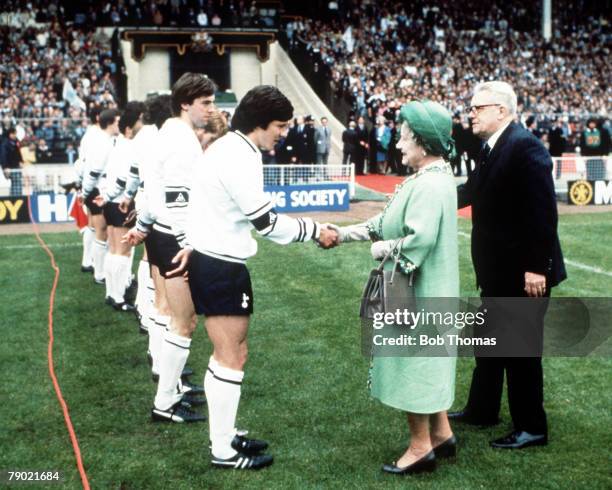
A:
[(71, 154), (323, 141), (592, 140), (311, 146), (12, 162), (301, 140), (381, 54), (349, 142), (43, 153), (380, 138), (361, 150), (557, 138)]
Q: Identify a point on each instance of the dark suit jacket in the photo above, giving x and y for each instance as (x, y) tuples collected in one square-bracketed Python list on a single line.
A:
[(302, 144), (349, 138), (514, 215)]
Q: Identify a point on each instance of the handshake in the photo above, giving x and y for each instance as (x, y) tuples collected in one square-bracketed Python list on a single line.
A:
[(329, 236)]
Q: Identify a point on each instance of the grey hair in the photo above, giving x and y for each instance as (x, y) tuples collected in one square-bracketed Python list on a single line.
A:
[(502, 91)]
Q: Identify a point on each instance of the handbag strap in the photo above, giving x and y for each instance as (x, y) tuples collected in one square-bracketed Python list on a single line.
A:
[(393, 251)]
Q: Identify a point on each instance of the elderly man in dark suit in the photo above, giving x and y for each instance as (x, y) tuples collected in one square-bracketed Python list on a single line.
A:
[(516, 253)]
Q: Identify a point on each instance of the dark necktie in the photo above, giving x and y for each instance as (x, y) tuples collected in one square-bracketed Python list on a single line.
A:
[(483, 156)]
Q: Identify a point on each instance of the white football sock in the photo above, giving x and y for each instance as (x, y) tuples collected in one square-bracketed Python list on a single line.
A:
[(222, 386), (98, 253), (174, 354), (88, 238), (157, 326), (121, 270), (109, 263), (141, 274), (130, 265)]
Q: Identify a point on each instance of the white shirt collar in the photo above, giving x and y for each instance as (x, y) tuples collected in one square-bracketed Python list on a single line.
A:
[(248, 141), (495, 136)]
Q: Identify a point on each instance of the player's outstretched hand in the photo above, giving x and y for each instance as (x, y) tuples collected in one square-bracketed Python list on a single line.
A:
[(181, 259), (328, 238)]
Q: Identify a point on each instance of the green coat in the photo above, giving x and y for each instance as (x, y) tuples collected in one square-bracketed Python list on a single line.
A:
[(424, 211)]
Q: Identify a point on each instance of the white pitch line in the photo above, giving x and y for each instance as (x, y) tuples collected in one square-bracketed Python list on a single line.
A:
[(573, 263), (36, 245)]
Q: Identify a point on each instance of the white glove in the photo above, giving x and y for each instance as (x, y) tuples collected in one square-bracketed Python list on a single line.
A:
[(381, 248), (353, 233)]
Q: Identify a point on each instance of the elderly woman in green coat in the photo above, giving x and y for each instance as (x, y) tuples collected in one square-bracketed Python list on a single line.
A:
[(423, 211)]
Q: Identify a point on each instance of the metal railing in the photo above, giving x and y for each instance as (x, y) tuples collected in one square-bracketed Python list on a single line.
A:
[(310, 174), (573, 167), (51, 178)]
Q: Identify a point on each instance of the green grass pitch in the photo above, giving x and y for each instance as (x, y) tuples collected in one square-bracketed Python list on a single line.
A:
[(305, 384)]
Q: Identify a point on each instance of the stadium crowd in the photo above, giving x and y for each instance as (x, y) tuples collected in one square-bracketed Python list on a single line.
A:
[(50, 75), (174, 13), (380, 55)]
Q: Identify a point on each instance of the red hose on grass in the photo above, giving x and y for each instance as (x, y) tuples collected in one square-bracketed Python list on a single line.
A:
[(58, 391)]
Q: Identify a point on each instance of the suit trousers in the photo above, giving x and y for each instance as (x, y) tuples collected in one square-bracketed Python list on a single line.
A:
[(524, 377)]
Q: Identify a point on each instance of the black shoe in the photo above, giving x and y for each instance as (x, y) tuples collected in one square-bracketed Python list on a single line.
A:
[(466, 417), (448, 449), (142, 329), (176, 413), (243, 462), (124, 307), (426, 464), (130, 291), (88, 268), (193, 400), (184, 375), (191, 388), (520, 440), (248, 446), (101, 282)]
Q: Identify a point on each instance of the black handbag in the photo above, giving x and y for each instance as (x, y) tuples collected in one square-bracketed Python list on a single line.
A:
[(387, 291)]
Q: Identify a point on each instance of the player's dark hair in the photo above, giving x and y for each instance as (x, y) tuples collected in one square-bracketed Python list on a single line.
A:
[(107, 117), (130, 115), (259, 107), (157, 110), (188, 88)]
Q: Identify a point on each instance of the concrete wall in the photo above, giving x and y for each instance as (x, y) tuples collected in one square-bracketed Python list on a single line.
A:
[(245, 70), (150, 74)]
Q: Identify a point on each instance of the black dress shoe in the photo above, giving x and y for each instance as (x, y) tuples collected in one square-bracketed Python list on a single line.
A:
[(520, 439), (448, 449), (426, 464), (466, 417), (248, 446), (87, 268)]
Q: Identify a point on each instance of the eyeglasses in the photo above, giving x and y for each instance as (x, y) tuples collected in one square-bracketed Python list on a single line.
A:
[(478, 108)]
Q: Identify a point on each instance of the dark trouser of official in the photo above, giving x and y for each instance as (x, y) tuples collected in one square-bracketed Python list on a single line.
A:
[(359, 159), (524, 375)]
